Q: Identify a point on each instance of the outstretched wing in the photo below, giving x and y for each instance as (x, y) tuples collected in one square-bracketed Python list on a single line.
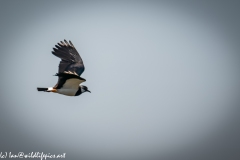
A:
[(70, 58)]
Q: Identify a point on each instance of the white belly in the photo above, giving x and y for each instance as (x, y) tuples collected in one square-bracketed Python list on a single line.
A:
[(68, 92)]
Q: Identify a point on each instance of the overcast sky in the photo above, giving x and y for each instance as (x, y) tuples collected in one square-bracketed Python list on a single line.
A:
[(164, 77)]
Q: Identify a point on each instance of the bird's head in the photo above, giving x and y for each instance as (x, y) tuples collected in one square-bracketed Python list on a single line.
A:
[(84, 89)]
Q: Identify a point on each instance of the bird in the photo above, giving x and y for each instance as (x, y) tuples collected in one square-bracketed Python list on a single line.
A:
[(69, 71)]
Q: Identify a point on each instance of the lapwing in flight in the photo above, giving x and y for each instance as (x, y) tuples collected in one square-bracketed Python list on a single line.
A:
[(69, 71)]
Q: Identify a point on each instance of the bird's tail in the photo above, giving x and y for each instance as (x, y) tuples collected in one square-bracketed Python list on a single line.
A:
[(42, 89)]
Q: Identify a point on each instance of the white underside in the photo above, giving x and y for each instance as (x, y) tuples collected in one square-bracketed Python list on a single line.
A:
[(70, 87), (68, 92)]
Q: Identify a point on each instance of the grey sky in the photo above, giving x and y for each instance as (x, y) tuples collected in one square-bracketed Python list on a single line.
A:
[(164, 78)]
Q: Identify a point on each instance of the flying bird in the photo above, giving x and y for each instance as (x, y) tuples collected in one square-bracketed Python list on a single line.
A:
[(69, 71)]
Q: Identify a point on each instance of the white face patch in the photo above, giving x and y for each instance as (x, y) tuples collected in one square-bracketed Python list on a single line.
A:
[(82, 90)]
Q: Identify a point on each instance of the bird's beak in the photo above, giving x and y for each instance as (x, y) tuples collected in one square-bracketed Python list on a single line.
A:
[(88, 91)]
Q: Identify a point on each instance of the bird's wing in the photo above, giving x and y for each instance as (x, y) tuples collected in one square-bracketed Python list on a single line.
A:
[(68, 80), (72, 83), (70, 58)]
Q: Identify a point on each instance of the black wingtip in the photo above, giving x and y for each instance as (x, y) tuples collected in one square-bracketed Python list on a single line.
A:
[(71, 44), (59, 44), (63, 44), (66, 42), (58, 47)]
